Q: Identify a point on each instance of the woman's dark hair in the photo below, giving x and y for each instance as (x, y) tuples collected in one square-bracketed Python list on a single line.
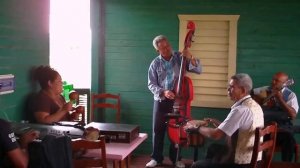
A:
[(43, 74)]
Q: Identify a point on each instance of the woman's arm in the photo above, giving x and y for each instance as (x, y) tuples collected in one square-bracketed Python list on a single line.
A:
[(47, 118)]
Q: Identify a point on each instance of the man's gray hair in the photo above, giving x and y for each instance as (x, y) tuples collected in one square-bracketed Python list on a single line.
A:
[(243, 80), (157, 39)]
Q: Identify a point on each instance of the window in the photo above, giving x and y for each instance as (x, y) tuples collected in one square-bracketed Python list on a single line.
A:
[(70, 41), (214, 43)]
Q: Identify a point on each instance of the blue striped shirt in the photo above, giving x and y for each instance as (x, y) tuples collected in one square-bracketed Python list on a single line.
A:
[(162, 74)]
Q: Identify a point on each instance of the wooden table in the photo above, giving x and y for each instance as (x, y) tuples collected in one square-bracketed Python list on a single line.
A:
[(119, 152)]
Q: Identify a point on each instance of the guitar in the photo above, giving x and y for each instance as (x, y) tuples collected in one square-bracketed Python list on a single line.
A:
[(264, 97)]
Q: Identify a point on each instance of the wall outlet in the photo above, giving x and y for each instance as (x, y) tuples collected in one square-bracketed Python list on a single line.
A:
[(7, 84)]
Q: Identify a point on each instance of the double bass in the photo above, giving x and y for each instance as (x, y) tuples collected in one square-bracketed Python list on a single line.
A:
[(182, 105)]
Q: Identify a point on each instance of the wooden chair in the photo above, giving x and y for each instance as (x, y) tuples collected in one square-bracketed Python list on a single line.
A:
[(268, 134), (81, 145), (106, 100)]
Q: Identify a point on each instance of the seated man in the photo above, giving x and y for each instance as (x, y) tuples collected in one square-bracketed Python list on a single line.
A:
[(13, 154), (245, 116), (280, 104)]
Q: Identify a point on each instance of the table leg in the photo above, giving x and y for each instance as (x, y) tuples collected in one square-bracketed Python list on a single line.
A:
[(115, 163), (128, 160), (122, 163)]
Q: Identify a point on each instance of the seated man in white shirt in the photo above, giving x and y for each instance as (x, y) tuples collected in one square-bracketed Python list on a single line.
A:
[(240, 124)]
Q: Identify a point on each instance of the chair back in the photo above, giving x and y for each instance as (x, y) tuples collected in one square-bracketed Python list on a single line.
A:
[(106, 100), (267, 146), (80, 147)]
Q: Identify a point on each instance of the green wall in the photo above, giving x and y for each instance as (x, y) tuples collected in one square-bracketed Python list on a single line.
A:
[(268, 41), (268, 32), (24, 44)]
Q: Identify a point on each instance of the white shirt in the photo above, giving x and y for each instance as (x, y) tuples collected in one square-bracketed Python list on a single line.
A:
[(240, 117)]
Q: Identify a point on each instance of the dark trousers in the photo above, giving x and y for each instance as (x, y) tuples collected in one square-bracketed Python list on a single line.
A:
[(285, 136), (287, 142), (160, 109), (51, 152), (209, 164), (218, 156)]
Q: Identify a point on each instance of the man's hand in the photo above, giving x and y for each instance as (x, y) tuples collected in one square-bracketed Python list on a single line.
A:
[(67, 107), (277, 94), (212, 121), (28, 137), (169, 94), (194, 125), (186, 53)]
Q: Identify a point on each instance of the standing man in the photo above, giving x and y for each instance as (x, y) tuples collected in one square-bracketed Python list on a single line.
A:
[(240, 124), (14, 154), (281, 106), (163, 72)]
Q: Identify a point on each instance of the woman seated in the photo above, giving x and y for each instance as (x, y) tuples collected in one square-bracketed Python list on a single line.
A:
[(49, 105)]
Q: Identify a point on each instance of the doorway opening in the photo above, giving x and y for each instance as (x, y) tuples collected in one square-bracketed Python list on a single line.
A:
[(70, 45)]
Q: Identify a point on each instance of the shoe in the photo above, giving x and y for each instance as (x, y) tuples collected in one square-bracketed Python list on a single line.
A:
[(179, 164), (152, 163)]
